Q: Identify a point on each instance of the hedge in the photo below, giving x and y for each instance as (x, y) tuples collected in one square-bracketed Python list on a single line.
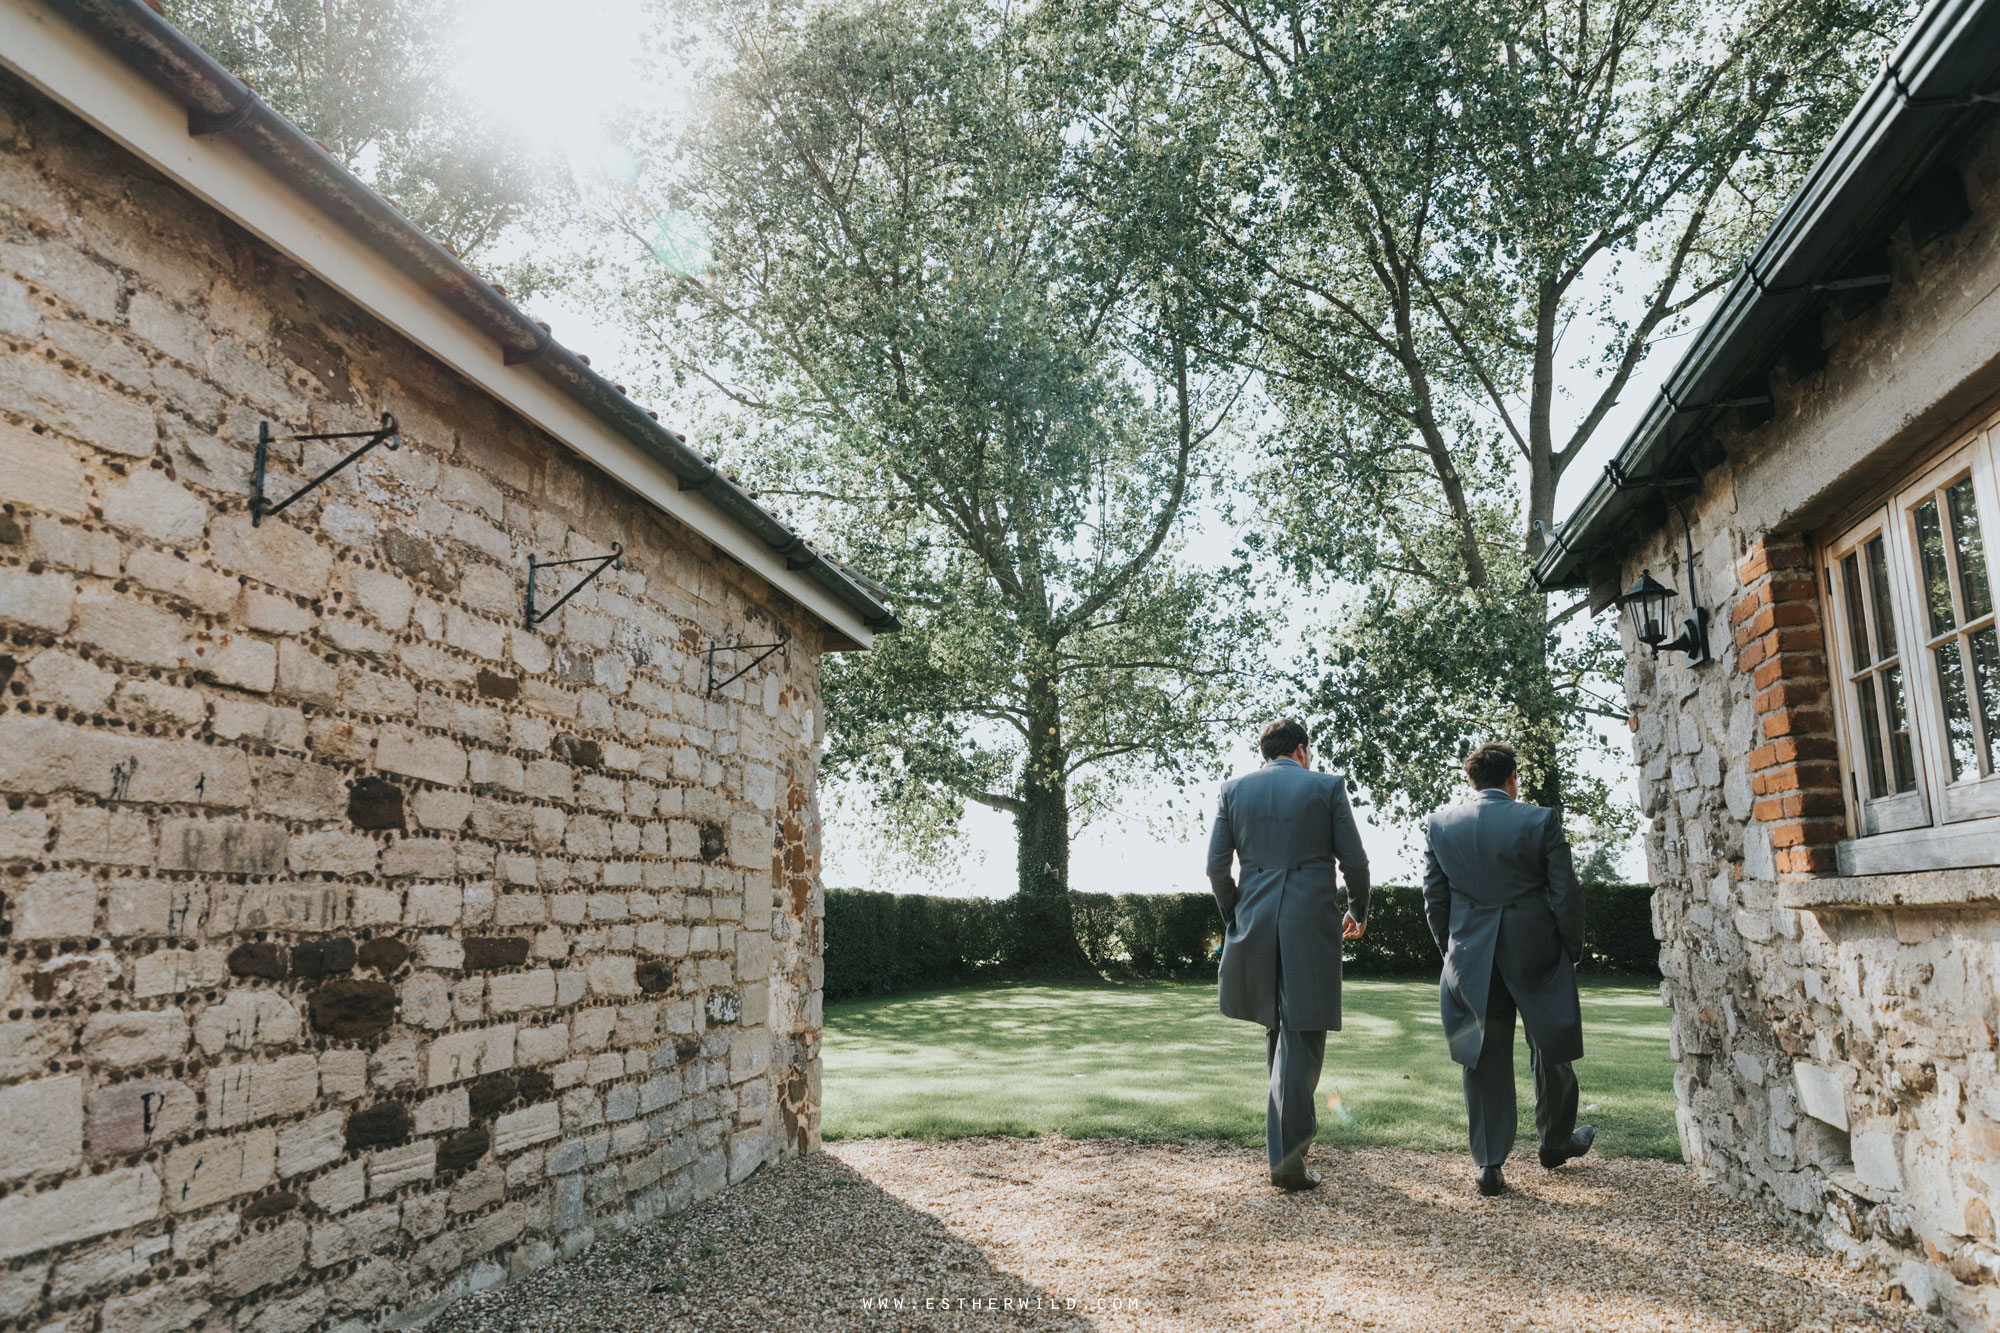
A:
[(878, 943)]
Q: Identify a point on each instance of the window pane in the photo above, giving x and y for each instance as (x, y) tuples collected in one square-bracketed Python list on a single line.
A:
[(1878, 579), (1871, 737), (1971, 551), (1957, 712), (1857, 627), (1899, 729), (1937, 583), (1985, 645)]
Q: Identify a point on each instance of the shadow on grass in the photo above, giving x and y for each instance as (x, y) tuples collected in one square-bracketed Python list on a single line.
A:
[(1155, 1060)]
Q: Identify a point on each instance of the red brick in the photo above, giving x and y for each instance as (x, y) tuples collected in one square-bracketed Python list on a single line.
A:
[(1752, 652), (1750, 605), (1767, 810), (1764, 756), (1797, 666), (1795, 777), (1810, 833), (1793, 589), (1797, 723), (1805, 747), (1792, 695), (1807, 861)]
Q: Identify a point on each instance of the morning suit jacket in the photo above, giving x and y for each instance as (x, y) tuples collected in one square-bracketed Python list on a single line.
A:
[(1499, 892), (1288, 825)]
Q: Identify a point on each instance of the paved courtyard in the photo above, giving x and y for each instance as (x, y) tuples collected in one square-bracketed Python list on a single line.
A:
[(1059, 1233)]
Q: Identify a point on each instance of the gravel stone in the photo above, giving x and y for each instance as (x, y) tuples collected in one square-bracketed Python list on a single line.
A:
[(1114, 1234)]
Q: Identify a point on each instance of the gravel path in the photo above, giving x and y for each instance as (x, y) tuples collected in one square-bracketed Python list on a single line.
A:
[(1111, 1234)]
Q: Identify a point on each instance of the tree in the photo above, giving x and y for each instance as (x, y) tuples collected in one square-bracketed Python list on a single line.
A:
[(370, 80), (1425, 199), (947, 307)]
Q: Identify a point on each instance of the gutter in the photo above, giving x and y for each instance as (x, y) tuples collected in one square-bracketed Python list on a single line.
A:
[(220, 104), (1940, 72)]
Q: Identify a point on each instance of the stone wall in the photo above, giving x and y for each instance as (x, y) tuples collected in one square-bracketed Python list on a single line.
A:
[(361, 946), (1834, 1038)]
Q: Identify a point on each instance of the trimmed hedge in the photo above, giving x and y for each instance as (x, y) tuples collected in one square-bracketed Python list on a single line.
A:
[(878, 943)]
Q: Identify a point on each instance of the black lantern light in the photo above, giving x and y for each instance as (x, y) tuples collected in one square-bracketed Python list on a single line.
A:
[(1647, 604)]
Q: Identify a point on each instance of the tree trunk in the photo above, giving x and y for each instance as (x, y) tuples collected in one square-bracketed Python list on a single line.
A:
[(1044, 937)]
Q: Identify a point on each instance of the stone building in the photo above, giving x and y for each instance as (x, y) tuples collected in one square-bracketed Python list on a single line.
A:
[(1822, 794), (365, 941)]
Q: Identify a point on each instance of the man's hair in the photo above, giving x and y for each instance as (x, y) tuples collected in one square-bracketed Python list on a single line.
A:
[(1490, 765), (1282, 737)]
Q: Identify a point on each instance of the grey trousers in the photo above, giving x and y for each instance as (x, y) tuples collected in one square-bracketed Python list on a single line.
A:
[(1489, 1086), (1294, 1059)]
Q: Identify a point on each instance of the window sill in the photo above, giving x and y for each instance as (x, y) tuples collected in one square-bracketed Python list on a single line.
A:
[(1967, 844), (1924, 886)]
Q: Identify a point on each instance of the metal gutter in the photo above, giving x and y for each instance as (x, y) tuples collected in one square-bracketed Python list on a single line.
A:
[(220, 104), (1945, 66)]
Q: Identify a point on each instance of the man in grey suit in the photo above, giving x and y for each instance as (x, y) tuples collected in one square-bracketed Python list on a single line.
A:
[(1502, 902), (1287, 825)]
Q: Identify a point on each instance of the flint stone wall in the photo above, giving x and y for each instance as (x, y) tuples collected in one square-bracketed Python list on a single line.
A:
[(361, 946), (1834, 1037)]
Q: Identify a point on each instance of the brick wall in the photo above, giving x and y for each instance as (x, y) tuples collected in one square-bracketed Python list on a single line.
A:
[(1795, 768), (358, 945)]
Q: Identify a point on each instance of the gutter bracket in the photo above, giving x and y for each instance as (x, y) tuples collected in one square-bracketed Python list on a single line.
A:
[(200, 123)]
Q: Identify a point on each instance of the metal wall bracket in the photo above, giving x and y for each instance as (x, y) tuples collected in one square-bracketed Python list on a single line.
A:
[(781, 646), (386, 433), (617, 557)]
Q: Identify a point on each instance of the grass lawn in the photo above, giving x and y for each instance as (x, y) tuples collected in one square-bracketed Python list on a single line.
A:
[(1155, 1060)]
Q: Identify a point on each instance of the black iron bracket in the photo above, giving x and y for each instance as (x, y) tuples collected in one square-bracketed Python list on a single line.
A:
[(1620, 482), (617, 557), (781, 646), (259, 507)]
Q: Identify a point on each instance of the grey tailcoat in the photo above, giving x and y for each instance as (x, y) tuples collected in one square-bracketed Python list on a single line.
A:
[(1288, 825), (1499, 892)]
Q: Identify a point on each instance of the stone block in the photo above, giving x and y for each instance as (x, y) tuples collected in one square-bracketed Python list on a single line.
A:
[(414, 754), (243, 1094), (41, 1127), (292, 788), (41, 472), (133, 631), (353, 1010), (67, 681), (311, 1144), (236, 908), (513, 992), (177, 1303), (222, 846), (134, 1037), (337, 1191), (212, 1169), (147, 503), (525, 1128), (245, 1020), (1878, 1159), (1821, 1095), (132, 1117), (261, 1261), (279, 554), (45, 601), (177, 971), (458, 1056), (77, 1210), (59, 904), (390, 1169)]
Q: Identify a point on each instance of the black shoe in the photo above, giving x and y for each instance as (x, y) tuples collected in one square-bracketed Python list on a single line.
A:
[(1304, 1180), (1579, 1144), (1490, 1181)]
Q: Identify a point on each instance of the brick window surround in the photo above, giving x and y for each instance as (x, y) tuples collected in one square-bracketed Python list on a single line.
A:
[(1795, 767)]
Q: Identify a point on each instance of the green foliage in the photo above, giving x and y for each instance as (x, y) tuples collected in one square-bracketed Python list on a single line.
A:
[(883, 943), (369, 80), (946, 308), (1422, 200)]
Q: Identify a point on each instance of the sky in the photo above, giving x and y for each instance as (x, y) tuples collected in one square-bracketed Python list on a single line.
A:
[(558, 85)]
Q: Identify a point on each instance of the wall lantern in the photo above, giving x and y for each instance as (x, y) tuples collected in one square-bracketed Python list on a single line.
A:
[(1647, 604)]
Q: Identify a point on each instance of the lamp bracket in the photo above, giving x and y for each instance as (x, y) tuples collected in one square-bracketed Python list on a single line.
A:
[(601, 563), (384, 434), (763, 650)]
